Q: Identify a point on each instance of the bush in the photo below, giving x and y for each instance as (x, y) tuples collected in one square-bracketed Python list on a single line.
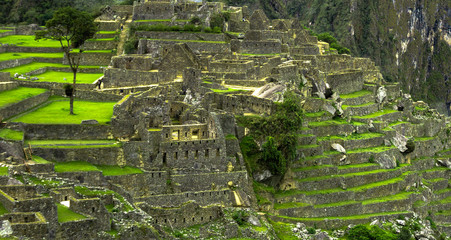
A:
[(130, 46), (273, 158), (195, 20), (311, 230), (433, 225), (362, 232), (68, 89), (240, 217), (217, 20), (405, 234)]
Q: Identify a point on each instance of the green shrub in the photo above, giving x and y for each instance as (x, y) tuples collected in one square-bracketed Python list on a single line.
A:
[(68, 89), (311, 230), (195, 20), (405, 234), (433, 225), (130, 46), (272, 157), (217, 20), (362, 232), (371, 160), (240, 217)]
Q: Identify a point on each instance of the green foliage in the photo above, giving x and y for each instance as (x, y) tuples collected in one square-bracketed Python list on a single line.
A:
[(433, 225), (217, 20), (273, 158), (279, 131), (67, 215), (68, 89), (130, 46), (311, 230), (240, 217), (10, 134), (363, 232), (195, 20)]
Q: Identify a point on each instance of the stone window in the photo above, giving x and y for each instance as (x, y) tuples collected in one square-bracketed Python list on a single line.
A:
[(186, 154), (217, 152), (195, 134), (197, 154), (207, 153), (175, 155)]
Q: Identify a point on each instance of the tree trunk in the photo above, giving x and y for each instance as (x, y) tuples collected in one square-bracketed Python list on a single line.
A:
[(73, 93)]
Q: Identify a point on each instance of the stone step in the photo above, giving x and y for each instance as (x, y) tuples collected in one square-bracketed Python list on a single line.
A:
[(360, 110), (334, 222), (317, 116), (309, 150), (390, 203), (355, 168), (357, 98), (365, 155), (327, 158), (322, 170), (245, 83), (443, 193), (331, 127), (436, 172), (436, 184), (345, 181)]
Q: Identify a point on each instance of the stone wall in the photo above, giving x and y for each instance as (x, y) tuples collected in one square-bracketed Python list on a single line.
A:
[(109, 25), (256, 47), (95, 59), (203, 198), (92, 207), (99, 155), (93, 178), (5, 86), (100, 45), (10, 48), (153, 10), (187, 215), (66, 131), (181, 35), (15, 63), (346, 82), (80, 229), (216, 47), (16, 108), (30, 225), (89, 95), (5, 76), (122, 78), (133, 62), (54, 86), (205, 181), (142, 185)]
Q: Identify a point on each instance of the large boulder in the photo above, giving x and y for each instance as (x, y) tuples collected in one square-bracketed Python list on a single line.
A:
[(386, 161)]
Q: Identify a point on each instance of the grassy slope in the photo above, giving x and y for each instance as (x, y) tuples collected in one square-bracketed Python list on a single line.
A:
[(83, 78), (10, 134), (58, 113), (28, 41), (67, 215), (37, 65), (18, 94), (11, 55)]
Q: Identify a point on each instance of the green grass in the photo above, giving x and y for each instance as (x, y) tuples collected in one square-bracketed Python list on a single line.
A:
[(445, 213), (397, 123), (75, 166), (67, 215), (396, 197), (278, 206), (360, 136), (443, 201), (3, 31), (180, 40), (26, 68), (73, 143), (356, 94), (328, 123), (15, 55), (162, 20), (315, 114), (345, 175), (372, 149), (107, 32), (362, 165), (53, 76), (376, 114), (284, 230), (363, 216), (307, 146), (229, 90), (18, 94), (335, 204), (421, 139), (40, 160), (3, 171), (2, 209), (231, 137), (102, 39), (117, 170), (92, 193), (28, 41), (58, 113), (10, 134), (357, 106), (44, 182)]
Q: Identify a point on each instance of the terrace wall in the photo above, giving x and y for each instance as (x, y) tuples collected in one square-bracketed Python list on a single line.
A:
[(95, 208), (66, 131), (99, 155), (123, 78), (16, 108), (93, 58), (195, 46), (5, 86), (81, 229), (10, 48), (30, 225), (181, 35), (100, 45), (256, 47)]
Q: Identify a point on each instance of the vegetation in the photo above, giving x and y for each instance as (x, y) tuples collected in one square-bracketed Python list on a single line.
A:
[(363, 232), (67, 215), (11, 56), (18, 94), (175, 28), (71, 28), (10, 134), (26, 68), (29, 41), (56, 112), (75, 166), (92, 193), (61, 77), (108, 170), (3, 171), (278, 130)]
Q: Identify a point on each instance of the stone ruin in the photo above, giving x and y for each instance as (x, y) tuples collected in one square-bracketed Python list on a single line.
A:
[(177, 100)]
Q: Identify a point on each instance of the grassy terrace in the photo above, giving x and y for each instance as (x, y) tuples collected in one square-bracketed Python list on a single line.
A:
[(102, 39), (360, 188), (10, 134), (2, 209), (3, 171), (11, 56), (356, 94), (73, 143), (357, 106), (228, 90), (57, 112), (333, 122), (346, 175), (107, 170), (67, 215), (361, 136), (18, 94), (376, 114), (3, 30), (53, 76), (162, 20), (346, 217), (107, 32), (23, 69), (28, 41), (372, 149), (180, 40)]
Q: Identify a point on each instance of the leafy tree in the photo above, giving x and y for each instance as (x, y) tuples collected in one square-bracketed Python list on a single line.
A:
[(71, 28)]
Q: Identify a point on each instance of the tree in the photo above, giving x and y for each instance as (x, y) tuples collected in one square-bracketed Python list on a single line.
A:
[(71, 28)]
